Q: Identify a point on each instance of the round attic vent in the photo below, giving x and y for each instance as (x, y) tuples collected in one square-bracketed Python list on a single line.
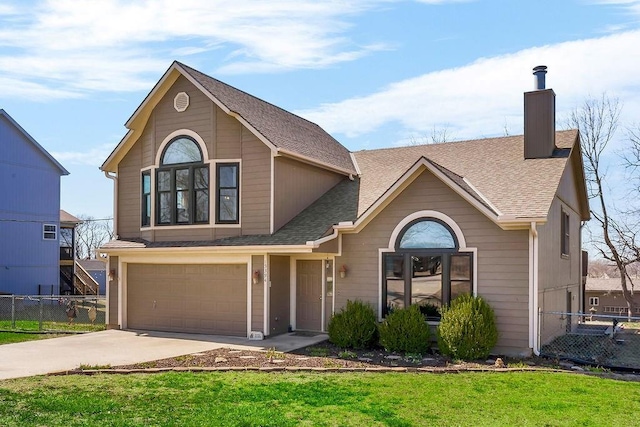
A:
[(181, 102)]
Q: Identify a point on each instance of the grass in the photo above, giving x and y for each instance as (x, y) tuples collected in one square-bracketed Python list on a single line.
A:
[(347, 399), (34, 325), (14, 337)]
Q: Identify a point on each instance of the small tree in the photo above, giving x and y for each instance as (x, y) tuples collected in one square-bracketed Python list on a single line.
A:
[(92, 233)]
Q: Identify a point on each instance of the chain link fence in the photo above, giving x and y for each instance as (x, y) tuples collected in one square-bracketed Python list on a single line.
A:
[(601, 340), (52, 313)]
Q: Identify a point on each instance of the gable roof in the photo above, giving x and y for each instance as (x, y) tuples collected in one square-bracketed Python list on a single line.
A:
[(67, 218), (492, 170), (284, 132), (54, 162)]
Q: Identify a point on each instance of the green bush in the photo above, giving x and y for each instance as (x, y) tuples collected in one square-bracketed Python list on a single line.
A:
[(467, 328), (355, 326), (405, 330)]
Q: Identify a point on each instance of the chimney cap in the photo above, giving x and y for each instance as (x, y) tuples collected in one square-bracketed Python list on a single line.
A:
[(539, 73)]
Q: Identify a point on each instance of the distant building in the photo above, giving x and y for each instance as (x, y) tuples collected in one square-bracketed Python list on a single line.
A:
[(96, 269), (29, 212), (605, 296)]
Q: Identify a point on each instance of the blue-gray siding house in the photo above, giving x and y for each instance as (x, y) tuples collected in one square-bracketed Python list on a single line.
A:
[(29, 212)]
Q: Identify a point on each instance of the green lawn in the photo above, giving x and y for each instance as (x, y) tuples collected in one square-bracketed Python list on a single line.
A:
[(34, 325), (13, 337), (291, 399)]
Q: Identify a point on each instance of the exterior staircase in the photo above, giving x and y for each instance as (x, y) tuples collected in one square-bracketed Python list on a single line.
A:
[(83, 282)]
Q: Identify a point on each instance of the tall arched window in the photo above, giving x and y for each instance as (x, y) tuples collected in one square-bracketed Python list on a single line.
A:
[(427, 268), (182, 184)]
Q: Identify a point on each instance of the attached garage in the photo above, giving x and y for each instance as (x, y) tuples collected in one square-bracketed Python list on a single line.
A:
[(204, 299)]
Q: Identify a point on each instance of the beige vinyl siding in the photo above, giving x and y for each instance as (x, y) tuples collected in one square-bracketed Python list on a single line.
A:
[(255, 190), (228, 136), (225, 139), (297, 185), (257, 295), (112, 303), (198, 117), (560, 273), (502, 264), (129, 201)]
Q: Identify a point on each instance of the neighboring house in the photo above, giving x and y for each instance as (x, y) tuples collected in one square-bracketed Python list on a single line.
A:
[(98, 270), (29, 212), (604, 296), (236, 217)]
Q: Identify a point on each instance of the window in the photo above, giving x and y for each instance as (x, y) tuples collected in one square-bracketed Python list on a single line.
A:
[(50, 232), (594, 301), (146, 199), (227, 193), (182, 186), (426, 268), (564, 234)]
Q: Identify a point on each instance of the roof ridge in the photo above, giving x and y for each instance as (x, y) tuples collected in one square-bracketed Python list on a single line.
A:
[(407, 147), (248, 94)]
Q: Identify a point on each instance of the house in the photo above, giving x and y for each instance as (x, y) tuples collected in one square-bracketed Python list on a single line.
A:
[(29, 212), (234, 216), (603, 296)]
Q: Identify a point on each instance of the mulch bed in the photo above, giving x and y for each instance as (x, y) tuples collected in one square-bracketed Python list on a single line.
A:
[(323, 355)]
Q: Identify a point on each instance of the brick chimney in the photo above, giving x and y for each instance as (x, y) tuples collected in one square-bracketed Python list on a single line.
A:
[(539, 118)]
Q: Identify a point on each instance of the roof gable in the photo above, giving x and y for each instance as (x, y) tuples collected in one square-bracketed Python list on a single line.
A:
[(6, 118), (283, 132), (493, 168)]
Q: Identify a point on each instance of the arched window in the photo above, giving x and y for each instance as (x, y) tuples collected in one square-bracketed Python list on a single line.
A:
[(182, 184), (427, 268), (426, 234)]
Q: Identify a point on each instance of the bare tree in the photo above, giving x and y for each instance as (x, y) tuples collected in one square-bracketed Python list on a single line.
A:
[(92, 233), (438, 136), (597, 121)]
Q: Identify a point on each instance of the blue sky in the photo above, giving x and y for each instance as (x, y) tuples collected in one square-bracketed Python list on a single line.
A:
[(372, 73)]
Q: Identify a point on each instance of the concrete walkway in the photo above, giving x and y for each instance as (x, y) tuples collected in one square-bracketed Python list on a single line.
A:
[(116, 347)]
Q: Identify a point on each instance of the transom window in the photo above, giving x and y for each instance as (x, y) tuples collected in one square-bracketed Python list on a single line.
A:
[(182, 185), (426, 268)]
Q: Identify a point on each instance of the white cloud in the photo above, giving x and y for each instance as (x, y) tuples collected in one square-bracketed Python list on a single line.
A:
[(481, 98), (79, 46)]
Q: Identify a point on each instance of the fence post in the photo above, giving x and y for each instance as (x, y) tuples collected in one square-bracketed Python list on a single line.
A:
[(13, 311), (40, 320)]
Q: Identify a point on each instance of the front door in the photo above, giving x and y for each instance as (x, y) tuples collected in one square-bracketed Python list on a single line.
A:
[(309, 295)]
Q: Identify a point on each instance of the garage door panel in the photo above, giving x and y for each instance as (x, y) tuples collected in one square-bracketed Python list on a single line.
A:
[(209, 299)]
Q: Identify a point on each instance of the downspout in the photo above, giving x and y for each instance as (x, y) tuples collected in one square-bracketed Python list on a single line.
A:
[(114, 178), (535, 318)]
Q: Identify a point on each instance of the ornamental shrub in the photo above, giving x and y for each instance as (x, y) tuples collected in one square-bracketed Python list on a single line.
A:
[(405, 330), (467, 328), (355, 326)]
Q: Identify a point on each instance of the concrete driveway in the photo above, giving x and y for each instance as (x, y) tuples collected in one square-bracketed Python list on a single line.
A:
[(116, 347)]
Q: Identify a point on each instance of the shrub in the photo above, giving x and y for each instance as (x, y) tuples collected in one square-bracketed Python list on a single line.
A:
[(467, 328), (405, 330), (355, 326)]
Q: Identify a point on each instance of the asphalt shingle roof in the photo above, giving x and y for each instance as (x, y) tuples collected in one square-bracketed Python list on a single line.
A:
[(494, 166), (283, 129)]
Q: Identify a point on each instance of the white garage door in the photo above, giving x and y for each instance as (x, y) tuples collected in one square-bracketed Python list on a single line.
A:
[(205, 299)]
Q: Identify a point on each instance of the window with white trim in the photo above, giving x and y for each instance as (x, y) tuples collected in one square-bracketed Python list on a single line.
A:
[(594, 301), (227, 193), (49, 232), (182, 185), (426, 268)]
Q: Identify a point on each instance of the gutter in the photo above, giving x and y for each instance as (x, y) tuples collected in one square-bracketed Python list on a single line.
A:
[(114, 178), (534, 318)]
